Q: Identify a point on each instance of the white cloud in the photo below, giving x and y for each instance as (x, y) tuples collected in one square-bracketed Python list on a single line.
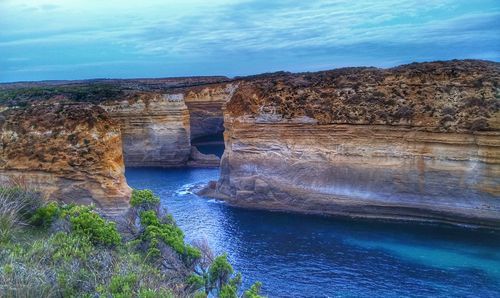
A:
[(196, 30)]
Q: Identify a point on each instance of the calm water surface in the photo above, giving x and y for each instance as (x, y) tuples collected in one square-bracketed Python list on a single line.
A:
[(309, 256)]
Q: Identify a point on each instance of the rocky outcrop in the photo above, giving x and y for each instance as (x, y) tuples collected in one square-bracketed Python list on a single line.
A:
[(417, 142), (205, 108), (198, 159), (70, 152), (155, 129)]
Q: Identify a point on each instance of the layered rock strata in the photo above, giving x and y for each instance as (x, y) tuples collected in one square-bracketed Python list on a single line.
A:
[(200, 160), (417, 142), (205, 108), (69, 152), (155, 129)]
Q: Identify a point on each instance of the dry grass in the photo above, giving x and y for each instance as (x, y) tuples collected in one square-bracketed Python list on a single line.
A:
[(16, 204)]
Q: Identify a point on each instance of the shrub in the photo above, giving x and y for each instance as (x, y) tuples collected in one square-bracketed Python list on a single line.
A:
[(144, 198), (45, 215), (68, 246), (200, 294), (149, 293), (26, 200), (17, 280), (219, 278), (228, 291), (8, 222), (86, 221), (87, 260), (122, 285), (156, 231), (220, 271), (254, 291), (47, 267), (195, 282)]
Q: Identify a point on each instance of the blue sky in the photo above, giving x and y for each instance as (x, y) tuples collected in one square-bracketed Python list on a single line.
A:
[(78, 39)]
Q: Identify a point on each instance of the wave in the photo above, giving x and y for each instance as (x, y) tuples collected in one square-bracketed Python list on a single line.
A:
[(186, 189), (214, 201)]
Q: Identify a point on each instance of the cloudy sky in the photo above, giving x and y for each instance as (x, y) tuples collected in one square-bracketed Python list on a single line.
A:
[(61, 39)]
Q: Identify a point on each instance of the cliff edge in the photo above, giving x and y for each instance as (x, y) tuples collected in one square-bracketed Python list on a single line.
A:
[(70, 152), (416, 142)]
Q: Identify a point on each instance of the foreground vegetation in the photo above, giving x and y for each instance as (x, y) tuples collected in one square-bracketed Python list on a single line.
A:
[(53, 250)]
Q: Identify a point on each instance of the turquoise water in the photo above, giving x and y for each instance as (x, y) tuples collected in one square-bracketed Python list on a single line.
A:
[(309, 256)]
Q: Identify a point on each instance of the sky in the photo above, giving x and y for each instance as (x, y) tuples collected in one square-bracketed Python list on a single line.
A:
[(81, 39)]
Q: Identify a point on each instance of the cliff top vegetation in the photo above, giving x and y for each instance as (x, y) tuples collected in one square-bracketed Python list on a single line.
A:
[(54, 250)]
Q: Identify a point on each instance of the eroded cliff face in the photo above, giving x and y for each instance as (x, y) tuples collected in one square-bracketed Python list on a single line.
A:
[(205, 107), (67, 138), (155, 129), (70, 152), (416, 142)]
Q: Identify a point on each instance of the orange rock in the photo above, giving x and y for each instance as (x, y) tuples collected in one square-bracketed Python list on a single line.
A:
[(70, 152)]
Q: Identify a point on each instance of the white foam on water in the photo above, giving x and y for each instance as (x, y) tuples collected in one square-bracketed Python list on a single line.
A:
[(186, 189), (214, 201)]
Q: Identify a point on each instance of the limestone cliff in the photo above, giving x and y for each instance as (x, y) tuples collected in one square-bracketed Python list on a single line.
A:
[(205, 107), (70, 152), (416, 142), (155, 129)]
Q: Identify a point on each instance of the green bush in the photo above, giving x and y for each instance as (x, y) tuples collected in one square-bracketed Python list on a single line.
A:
[(170, 234), (45, 215), (122, 285), (89, 260), (254, 291), (149, 218), (196, 282), (220, 271), (144, 198), (228, 291), (200, 294), (87, 222), (69, 246)]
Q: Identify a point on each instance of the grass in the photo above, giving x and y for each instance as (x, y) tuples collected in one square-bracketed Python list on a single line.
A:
[(52, 250), (16, 204)]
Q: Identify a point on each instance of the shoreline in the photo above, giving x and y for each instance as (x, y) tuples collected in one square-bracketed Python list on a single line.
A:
[(427, 218)]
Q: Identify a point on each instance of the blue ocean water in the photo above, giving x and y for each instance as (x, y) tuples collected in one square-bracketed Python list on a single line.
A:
[(310, 256)]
